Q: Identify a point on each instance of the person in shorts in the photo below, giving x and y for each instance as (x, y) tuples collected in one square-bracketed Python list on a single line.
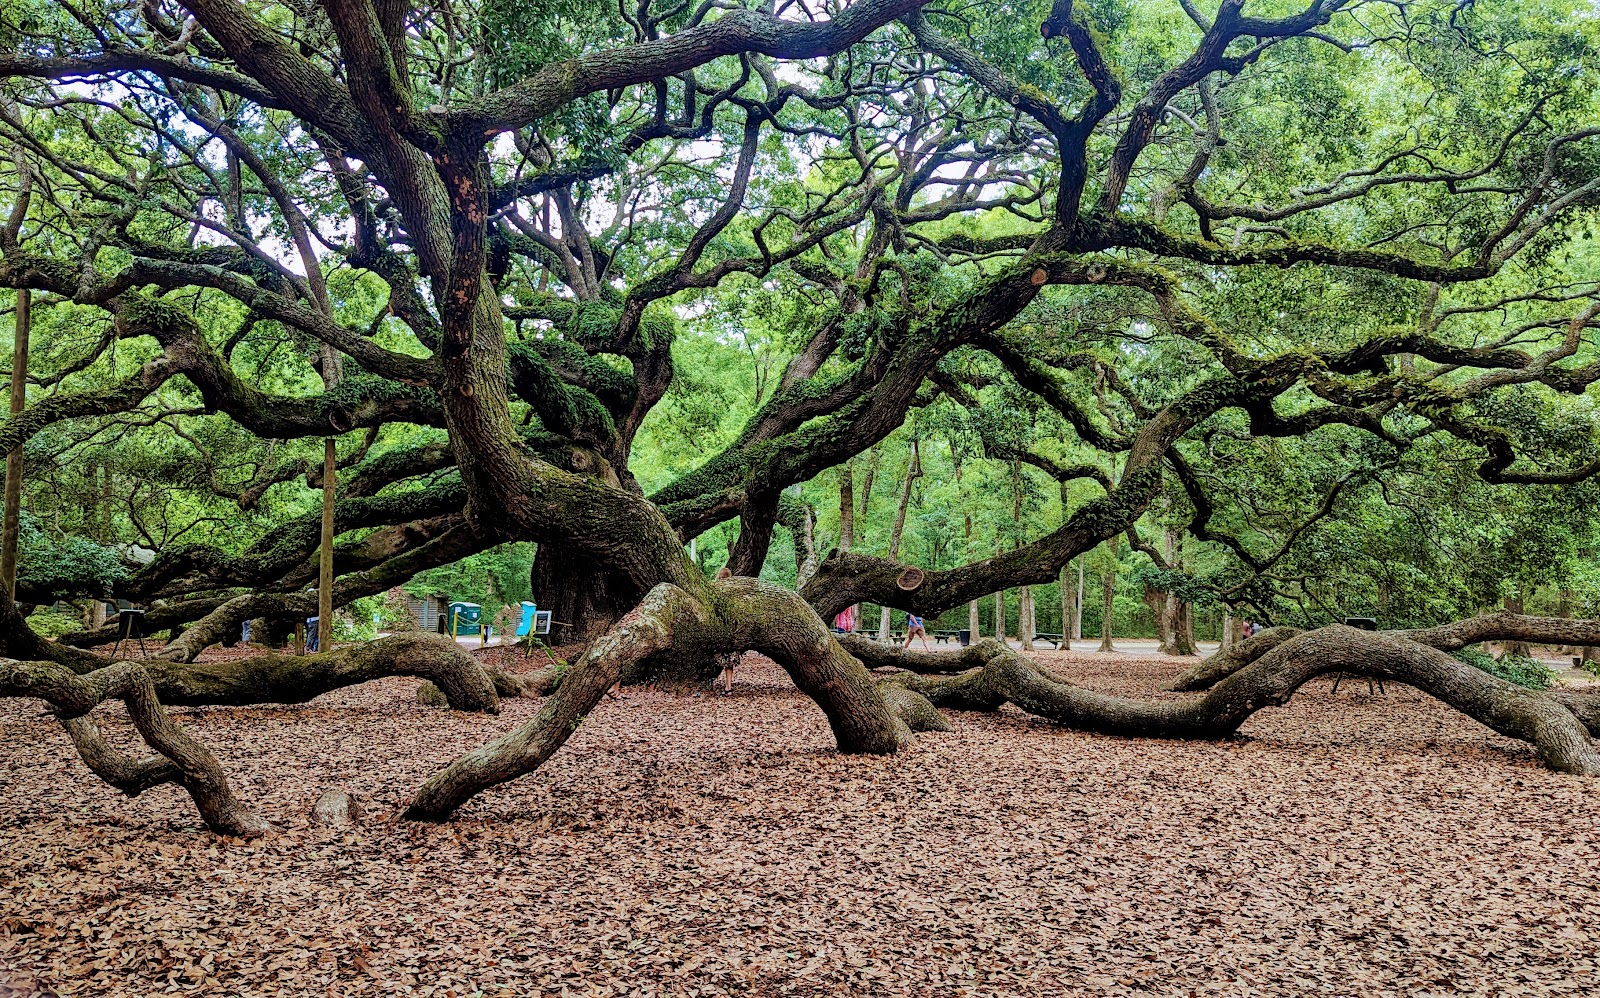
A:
[(915, 629)]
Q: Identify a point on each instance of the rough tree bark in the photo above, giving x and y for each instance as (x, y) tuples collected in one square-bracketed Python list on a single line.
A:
[(741, 613), (11, 524), (1068, 606), (1501, 626), (1180, 615), (913, 472), (1108, 594), (1521, 649), (1559, 726), (182, 759)]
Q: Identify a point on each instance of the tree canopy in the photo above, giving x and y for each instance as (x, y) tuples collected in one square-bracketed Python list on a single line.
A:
[(1307, 285)]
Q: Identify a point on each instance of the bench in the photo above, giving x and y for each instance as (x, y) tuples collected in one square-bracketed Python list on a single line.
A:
[(1054, 639), (942, 636)]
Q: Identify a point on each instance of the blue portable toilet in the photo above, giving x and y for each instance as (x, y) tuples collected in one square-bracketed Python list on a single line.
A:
[(525, 622)]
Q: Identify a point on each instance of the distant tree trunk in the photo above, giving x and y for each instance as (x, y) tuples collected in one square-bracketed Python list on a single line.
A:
[(1518, 648), (325, 550), (866, 484), (1160, 610), (913, 472), (1180, 616), (1077, 607), (1000, 615), (1025, 621), (1108, 593), (13, 488), (972, 620), (1183, 629), (1068, 607), (1227, 632), (847, 505), (805, 547), (1564, 611)]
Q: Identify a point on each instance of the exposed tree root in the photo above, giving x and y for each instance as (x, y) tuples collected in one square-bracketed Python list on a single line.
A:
[(1559, 726)]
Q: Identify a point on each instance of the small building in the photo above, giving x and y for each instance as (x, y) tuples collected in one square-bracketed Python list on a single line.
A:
[(431, 611)]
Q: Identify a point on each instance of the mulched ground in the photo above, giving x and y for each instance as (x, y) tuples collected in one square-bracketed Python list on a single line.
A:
[(1349, 845)]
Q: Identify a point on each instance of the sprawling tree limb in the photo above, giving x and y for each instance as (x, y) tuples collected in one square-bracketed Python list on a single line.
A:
[(648, 630), (295, 679), (192, 765), (1501, 625), (1561, 735), (672, 626), (1209, 671)]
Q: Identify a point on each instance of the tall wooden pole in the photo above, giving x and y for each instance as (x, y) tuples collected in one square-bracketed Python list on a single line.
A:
[(325, 581), (13, 493)]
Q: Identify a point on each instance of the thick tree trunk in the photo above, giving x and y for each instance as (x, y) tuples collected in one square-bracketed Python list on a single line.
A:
[(1183, 629), (1502, 627), (584, 600), (1160, 610), (669, 623)]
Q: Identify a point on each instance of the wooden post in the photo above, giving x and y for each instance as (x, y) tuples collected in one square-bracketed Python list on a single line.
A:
[(325, 580), (13, 491)]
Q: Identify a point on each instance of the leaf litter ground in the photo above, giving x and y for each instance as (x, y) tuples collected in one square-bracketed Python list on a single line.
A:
[(697, 845)]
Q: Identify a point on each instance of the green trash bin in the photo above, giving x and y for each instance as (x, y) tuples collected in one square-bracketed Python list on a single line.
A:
[(465, 618)]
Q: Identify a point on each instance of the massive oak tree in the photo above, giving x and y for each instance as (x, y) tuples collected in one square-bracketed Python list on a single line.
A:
[(462, 239)]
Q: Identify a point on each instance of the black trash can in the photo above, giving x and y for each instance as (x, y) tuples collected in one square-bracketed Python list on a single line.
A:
[(966, 637)]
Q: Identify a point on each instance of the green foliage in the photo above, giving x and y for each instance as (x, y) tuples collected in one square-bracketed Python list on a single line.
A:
[(53, 625), (1528, 672), (52, 562)]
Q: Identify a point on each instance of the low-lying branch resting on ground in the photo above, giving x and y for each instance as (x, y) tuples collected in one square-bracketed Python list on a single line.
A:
[(676, 630), (1559, 724), (1498, 626), (77, 687)]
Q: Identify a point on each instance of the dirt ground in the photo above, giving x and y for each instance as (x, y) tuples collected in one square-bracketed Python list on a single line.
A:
[(1357, 844)]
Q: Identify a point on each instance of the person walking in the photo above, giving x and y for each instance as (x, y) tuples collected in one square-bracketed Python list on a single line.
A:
[(915, 629)]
